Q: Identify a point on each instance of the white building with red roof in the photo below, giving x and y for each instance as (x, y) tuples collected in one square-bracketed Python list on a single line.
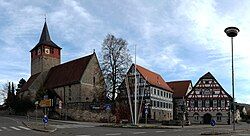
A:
[(154, 96)]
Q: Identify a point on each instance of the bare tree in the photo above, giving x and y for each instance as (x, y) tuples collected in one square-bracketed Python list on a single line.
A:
[(4, 92), (115, 63)]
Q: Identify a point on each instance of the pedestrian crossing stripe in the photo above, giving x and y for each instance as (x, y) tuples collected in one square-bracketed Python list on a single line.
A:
[(15, 128), (24, 128)]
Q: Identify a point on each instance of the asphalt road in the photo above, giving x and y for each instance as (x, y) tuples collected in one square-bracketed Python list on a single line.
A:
[(12, 126)]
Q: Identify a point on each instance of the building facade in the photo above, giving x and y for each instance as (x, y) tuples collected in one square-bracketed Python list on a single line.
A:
[(208, 100), (153, 94), (181, 89), (76, 83)]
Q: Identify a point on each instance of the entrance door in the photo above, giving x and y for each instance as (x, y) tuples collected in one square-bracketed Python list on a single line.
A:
[(207, 118)]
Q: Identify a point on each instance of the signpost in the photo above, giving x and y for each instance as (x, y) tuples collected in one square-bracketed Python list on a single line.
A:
[(45, 120), (146, 113), (212, 123), (36, 103)]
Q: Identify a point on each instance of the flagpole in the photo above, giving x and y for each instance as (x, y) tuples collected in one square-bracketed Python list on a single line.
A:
[(135, 119)]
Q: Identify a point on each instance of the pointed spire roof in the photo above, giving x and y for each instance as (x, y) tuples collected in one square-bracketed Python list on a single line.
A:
[(45, 38), (45, 34)]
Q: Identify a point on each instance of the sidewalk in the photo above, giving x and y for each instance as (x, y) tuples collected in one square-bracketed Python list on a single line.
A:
[(39, 126)]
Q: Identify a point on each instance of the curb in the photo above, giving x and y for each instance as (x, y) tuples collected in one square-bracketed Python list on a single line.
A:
[(137, 127), (41, 130)]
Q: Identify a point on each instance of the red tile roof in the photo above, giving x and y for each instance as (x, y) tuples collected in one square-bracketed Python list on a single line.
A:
[(29, 82), (153, 78), (67, 73), (180, 88)]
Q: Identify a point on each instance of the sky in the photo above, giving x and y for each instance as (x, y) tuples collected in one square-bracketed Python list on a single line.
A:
[(177, 39)]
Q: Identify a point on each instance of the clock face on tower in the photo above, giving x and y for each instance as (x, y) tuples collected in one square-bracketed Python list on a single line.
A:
[(47, 51)]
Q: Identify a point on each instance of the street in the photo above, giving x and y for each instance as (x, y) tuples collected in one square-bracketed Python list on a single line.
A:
[(12, 126)]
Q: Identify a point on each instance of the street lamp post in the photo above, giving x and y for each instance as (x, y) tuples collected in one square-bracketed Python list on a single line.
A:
[(232, 32)]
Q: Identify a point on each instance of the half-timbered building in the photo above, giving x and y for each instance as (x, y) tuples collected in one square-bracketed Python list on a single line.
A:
[(208, 100), (153, 94)]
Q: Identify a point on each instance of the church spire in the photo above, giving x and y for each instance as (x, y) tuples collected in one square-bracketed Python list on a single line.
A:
[(45, 34)]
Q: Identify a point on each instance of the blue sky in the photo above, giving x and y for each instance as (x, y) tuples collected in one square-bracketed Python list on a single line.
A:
[(175, 38)]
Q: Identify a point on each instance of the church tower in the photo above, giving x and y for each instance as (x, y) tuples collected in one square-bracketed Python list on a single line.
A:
[(45, 54)]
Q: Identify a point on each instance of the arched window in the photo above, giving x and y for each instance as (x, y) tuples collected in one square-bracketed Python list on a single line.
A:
[(218, 117), (196, 117)]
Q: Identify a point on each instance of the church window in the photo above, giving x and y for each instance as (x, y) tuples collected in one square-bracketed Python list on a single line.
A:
[(52, 50)]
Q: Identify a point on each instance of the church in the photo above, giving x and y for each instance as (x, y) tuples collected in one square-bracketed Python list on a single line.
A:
[(76, 83)]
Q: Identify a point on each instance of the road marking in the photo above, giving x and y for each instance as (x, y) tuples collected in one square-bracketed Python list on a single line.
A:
[(6, 128), (114, 134), (72, 126), (24, 128), (15, 128), (160, 131), (136, 133), (82, 135)]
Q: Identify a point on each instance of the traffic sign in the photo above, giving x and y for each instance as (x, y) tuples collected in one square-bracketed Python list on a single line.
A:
[(45, 119), (60, 104), (45, 103), (212, 122), (146, 111), (107, 106)]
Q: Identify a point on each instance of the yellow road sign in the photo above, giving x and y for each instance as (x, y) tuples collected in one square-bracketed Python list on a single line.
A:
[(45, 103)]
